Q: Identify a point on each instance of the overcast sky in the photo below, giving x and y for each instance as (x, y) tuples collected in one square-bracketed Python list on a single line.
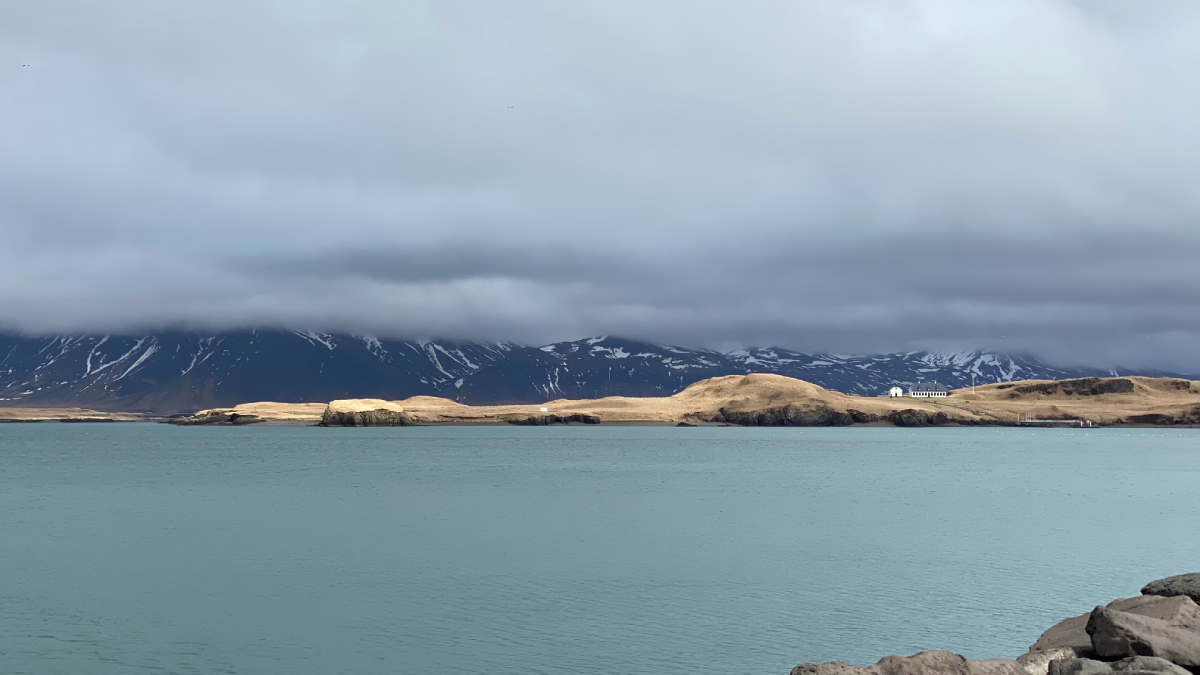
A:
[(845, 176)]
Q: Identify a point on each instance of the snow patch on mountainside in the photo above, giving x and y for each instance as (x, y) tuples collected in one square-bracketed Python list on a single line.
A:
[(317, 338)]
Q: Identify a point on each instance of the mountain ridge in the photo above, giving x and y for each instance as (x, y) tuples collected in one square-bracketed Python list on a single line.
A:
[(173, 372)]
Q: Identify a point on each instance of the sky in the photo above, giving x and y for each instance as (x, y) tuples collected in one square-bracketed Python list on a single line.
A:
[(847, 176)]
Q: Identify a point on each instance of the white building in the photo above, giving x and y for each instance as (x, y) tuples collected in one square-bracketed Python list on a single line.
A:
[(895, 392), (926, 390)]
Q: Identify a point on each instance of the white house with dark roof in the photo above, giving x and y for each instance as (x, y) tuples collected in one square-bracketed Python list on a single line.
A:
[(927, 390)]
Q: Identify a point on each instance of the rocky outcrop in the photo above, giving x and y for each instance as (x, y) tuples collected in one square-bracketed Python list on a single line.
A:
[(787, 416), (1083, 386), (1156, 633), (546, 420), (1071, 634), (917, 418), (223, 418), (1180, 584), (860, 417), (365, 418), (1187, 416), (1134, 665), (1116, 635), (823, 416), (1150, 418)]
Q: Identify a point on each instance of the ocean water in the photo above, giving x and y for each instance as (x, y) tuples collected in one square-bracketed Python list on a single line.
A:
[(152, 549)]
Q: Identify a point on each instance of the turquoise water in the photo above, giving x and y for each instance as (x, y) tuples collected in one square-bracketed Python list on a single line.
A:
[(149, 548)]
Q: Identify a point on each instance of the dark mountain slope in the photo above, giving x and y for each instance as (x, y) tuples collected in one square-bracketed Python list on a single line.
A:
[(175, 372), (593, 368)]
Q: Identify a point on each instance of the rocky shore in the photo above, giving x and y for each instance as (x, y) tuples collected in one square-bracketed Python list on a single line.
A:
[(1156, 632), (823, 416), (380, 417)]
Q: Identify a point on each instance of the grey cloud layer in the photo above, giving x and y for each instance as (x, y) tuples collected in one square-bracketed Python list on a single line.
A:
[(829, 175)]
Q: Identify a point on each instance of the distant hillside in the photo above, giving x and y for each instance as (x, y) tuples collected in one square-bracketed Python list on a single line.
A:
[(168, 372)]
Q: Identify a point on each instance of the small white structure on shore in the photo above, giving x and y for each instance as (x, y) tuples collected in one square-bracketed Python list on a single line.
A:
[(895, 392), (926, 390)]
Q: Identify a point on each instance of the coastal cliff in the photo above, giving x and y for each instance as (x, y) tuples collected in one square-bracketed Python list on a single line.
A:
[(379, 417), (1157, 632)]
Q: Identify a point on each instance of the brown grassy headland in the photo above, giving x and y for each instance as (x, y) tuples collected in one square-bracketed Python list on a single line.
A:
[(764, 399), (1107, 400)]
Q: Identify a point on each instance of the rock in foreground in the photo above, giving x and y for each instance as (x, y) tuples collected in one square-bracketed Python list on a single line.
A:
[(934, 662), (1072, 633), (1180, 584), (1153, 633), (1117, 635)]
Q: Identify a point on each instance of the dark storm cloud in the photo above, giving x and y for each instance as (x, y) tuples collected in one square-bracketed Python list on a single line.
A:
[(843, 176), (1076, 267)]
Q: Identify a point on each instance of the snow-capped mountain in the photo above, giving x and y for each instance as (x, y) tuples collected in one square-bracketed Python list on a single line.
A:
[(867, 375), (593, 368), (174, 372)]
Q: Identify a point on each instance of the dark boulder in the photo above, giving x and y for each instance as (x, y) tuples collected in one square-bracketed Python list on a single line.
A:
[(1180, 584)]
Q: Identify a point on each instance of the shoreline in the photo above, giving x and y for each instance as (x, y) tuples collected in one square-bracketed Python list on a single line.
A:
[(615, 423), (67, 416), (774, 400), (734, 400)]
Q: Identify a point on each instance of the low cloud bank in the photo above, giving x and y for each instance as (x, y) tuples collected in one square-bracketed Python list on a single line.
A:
[(857, 177)]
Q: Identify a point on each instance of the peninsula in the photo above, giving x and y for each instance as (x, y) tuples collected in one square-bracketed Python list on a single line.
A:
[(66, 415), (763, 399)]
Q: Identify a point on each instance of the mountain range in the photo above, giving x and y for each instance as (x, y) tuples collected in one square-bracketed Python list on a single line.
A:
[(175, 372)]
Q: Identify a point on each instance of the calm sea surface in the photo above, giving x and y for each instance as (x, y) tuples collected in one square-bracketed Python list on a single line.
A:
[(507, 550)]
